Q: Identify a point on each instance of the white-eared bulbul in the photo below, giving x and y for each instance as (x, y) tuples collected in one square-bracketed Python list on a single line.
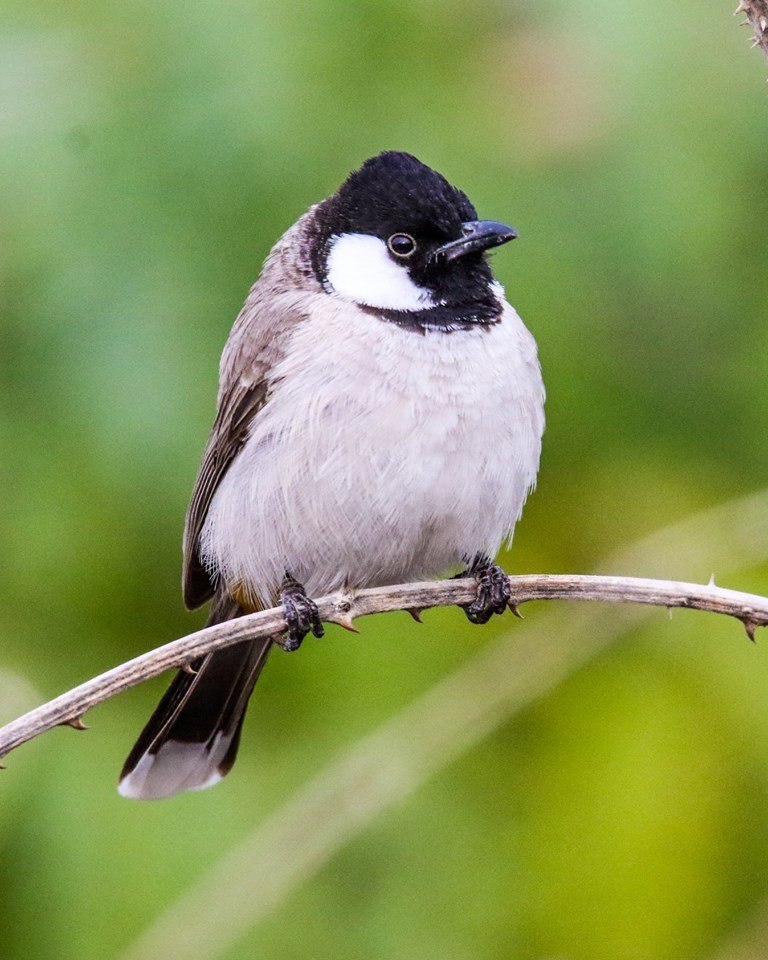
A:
[(379, 420)]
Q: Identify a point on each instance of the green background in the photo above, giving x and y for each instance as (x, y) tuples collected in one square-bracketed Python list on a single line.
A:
[(150, 154)]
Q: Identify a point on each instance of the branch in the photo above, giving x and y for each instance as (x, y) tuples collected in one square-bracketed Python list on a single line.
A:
[(756, 12), (342, 609)]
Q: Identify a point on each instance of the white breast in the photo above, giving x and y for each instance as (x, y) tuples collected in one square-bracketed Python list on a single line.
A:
[(383, 454)]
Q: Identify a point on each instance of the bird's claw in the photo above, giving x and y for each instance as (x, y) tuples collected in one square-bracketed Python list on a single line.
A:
[(494, 593), (300, 614)]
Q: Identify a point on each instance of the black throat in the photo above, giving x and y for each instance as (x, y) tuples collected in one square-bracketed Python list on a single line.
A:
[(445, 318)]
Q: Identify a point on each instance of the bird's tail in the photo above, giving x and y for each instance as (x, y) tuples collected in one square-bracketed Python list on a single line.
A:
[(191, 740)]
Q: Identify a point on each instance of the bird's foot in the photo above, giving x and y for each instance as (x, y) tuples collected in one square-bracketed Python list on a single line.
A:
[(300, 614), (494, 593)]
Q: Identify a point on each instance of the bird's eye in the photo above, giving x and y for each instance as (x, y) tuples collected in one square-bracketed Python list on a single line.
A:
[(401, 244)]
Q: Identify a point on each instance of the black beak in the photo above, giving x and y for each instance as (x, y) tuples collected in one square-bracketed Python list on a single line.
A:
[(477, 235)]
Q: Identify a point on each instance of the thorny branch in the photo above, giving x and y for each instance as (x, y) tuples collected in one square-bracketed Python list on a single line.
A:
[(344, 608), (756, 12)]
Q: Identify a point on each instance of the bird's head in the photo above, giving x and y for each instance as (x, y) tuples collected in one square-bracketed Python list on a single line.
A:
[(399, 240)]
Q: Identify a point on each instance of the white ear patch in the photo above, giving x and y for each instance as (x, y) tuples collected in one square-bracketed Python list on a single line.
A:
[(360, 267)]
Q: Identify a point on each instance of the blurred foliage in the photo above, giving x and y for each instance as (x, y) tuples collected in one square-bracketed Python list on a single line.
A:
[(150, 154)]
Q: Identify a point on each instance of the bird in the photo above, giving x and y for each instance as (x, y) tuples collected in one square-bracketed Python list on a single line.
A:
[(379, 420)]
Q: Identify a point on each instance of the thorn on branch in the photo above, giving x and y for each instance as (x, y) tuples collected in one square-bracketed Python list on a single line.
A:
[(513, 608), (342, 616), (75, 722), (750, 626), (416, 613), (188, 668)]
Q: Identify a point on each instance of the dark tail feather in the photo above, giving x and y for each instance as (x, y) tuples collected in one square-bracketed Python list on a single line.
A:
[(190, 741)]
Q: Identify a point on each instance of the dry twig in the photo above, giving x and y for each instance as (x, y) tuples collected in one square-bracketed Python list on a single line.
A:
[(756, 12), (343, 608)]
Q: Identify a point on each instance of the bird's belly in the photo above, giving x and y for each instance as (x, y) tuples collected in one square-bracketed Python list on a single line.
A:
[(377, 475), (381, 503)]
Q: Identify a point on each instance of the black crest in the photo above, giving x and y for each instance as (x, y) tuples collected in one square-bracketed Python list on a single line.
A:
[(395, 191)]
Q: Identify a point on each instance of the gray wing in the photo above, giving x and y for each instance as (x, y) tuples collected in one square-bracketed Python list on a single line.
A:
[(256, 344), (238, 405)]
